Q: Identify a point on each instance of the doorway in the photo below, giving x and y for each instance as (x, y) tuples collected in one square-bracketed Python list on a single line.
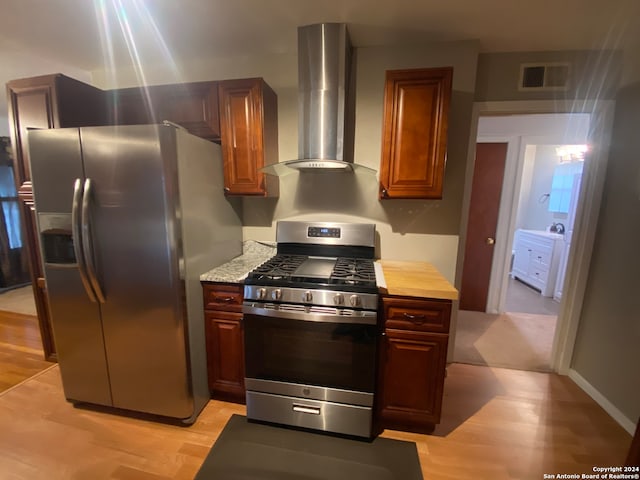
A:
[(512, 324)]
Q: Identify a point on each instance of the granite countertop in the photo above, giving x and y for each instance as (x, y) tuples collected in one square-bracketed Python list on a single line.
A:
[(254, 253)]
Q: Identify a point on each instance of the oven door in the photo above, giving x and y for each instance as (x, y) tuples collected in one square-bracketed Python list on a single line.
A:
[(328, 348)]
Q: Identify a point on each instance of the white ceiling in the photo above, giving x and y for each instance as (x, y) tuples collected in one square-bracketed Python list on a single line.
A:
[(69, 30), (72, 32)]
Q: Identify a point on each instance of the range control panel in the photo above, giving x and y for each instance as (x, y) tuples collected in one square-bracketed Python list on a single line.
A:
[(323, 232)]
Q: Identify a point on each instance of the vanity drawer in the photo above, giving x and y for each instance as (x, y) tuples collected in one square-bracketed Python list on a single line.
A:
[(539, 274)]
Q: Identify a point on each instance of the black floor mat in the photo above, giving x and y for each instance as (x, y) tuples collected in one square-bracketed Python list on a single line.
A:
[(246, 450)]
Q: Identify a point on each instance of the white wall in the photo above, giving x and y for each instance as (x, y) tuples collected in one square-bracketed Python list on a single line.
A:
[(408, 229), (607, 352)]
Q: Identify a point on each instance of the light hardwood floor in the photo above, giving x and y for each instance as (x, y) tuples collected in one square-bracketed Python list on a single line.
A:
[(21, 354), (497, 424)]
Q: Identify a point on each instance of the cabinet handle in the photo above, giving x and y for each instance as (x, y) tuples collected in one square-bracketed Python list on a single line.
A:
[(384, 192), (223, 299), (415, 318)]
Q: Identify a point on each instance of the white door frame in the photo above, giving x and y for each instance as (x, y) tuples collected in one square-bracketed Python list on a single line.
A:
[(586, 215)]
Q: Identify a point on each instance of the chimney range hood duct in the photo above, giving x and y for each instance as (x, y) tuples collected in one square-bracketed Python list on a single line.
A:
[(325, 117)]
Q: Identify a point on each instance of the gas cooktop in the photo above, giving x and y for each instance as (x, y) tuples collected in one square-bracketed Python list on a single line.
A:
[(307, 271)]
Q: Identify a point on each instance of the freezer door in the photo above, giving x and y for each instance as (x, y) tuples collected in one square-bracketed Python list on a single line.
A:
[(55, 166), (132, 213)]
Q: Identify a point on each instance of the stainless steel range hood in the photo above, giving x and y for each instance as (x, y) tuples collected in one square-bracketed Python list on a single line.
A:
[(325, 121)]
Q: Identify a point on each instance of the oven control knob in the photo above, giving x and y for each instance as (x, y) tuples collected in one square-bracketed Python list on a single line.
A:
[(276, 294), (355, 301), (307, 296), (262, 293), (338, 299)]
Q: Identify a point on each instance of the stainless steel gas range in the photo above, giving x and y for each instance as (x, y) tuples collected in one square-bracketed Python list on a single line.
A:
[(310, 329)]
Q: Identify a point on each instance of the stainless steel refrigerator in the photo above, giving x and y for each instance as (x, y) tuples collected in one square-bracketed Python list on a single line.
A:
[(129, 217)]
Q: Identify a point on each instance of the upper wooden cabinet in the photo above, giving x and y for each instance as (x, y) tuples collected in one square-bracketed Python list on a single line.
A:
[(249, 136), (49, 101), (414, 144), (240, 114), (193, 106)]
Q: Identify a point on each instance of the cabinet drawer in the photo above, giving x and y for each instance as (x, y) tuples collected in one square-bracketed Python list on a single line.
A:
[(418, 315), (541, 257), (222, 296), (539, 274)]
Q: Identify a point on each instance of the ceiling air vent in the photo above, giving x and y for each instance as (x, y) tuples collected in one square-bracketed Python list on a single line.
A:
[(544, 77)]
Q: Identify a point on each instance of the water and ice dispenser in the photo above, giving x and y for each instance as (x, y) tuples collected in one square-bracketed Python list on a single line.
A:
[(56, 239)]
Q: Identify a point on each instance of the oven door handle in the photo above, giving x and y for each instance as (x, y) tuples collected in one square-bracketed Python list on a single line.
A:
[(367, 318)]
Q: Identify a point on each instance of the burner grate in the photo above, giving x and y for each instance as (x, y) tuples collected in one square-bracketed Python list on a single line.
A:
[(285, 269), (353, 271), (278, 267)]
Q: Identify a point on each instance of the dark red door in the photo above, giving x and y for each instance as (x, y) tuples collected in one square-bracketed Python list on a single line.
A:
[(481, 227)]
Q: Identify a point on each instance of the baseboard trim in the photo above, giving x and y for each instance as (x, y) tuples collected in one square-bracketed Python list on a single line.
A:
[(601, 400)]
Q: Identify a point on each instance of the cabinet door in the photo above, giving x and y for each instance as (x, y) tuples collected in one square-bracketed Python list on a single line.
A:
[(193, 106), (413, 368), (248, 134), (39, 285), (131, 106), (414, 144), (225, 355), (31, 105), (49, 101), (521, 260)]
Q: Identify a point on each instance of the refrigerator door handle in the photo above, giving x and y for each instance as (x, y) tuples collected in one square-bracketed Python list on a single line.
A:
[(77, 238), (87, 244)]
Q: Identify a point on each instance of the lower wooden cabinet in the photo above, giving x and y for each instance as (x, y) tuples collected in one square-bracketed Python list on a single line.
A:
[(412, 360), (225, 343), (412, 363)]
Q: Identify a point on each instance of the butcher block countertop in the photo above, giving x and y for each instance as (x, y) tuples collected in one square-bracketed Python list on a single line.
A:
[(415, 279)]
